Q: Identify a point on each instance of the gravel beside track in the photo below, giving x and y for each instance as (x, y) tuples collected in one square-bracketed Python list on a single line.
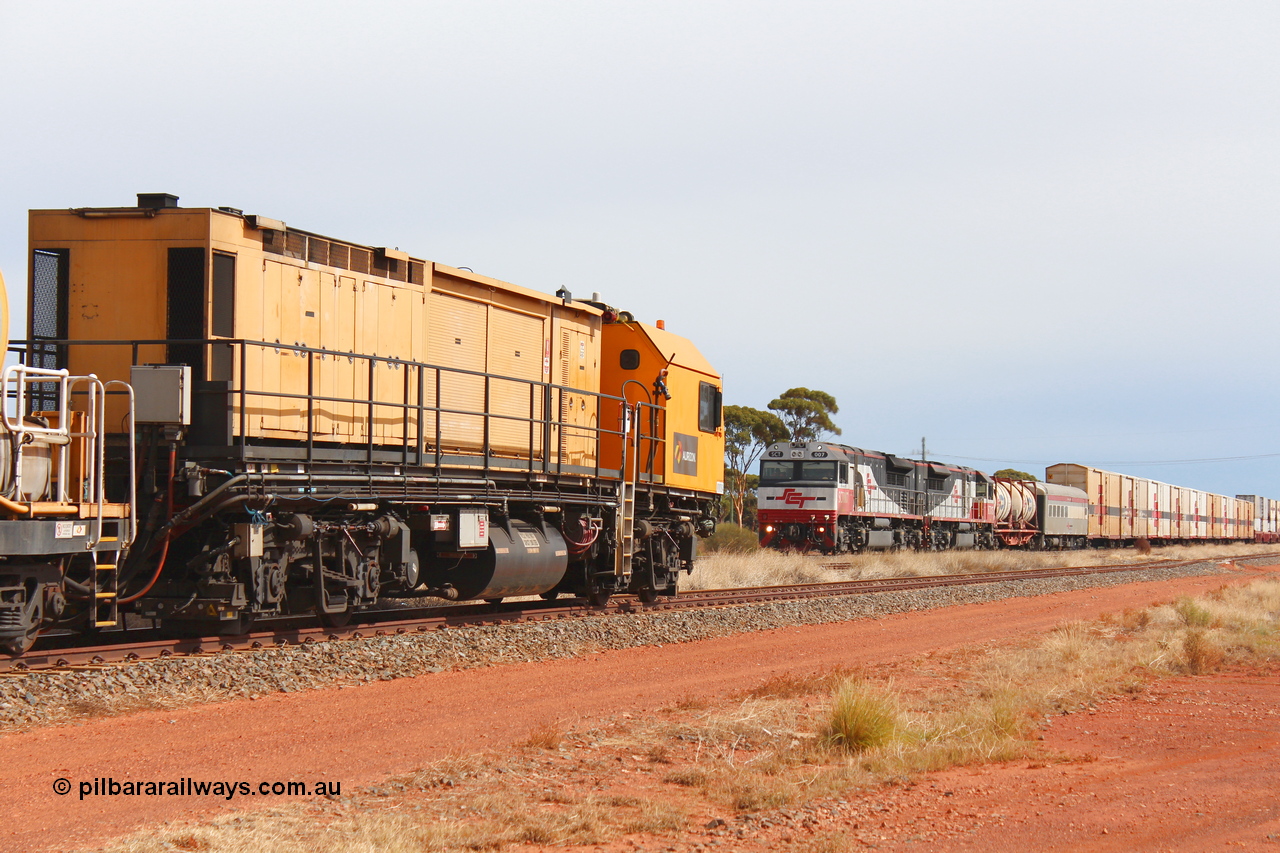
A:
[(54, 696)]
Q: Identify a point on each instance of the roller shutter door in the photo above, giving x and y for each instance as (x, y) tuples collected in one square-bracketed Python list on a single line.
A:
[(515, 350), (457, 339)]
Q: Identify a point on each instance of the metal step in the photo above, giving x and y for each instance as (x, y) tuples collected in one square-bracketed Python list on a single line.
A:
[(625, 514)]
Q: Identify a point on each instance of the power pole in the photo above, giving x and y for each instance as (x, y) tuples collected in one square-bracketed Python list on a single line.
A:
[(924, 453)]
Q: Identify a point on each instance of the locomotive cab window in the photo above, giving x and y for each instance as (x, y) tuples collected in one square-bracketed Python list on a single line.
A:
[(817, 471), (708, 407), (629, 359), (777, 471)]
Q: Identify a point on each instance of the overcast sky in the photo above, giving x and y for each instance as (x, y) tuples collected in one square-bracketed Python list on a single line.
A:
[(1032, 232)]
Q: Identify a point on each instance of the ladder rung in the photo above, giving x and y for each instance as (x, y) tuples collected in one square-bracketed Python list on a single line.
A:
[(102, 567), (104, 624), (104, 595), (109, 539)]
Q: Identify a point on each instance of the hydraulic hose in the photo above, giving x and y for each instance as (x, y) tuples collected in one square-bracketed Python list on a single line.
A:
[(164, 548)]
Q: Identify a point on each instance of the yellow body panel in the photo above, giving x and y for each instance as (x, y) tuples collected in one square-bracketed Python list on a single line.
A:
[(300, 290), (687, 370)]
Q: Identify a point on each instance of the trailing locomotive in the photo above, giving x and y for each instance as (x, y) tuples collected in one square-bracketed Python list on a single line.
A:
[(320, 424), (817, 496)]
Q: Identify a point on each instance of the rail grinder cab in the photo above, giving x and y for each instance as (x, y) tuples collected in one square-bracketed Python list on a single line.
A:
[(682, 439), (668, 435)]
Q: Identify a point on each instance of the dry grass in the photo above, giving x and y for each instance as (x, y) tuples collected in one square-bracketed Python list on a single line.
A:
[(791, 685), (767, 567), (862, 717), (788, 740), (547, 736)]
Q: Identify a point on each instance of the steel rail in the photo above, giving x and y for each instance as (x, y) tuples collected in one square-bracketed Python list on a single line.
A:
[(422, 620)]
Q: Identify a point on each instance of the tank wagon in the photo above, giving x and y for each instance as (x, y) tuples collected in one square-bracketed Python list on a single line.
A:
[(321, 423), (1040, 515)]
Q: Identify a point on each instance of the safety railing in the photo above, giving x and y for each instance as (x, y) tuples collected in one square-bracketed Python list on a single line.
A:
[(426, 416), (28, 390)]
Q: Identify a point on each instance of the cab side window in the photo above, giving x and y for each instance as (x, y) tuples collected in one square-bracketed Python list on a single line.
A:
[(709, 399)]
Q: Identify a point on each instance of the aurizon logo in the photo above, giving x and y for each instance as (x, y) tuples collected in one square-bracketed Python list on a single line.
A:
[(791, 497)]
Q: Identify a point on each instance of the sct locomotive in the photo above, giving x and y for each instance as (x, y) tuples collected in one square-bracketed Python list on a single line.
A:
[(818, 496), (220, 418)]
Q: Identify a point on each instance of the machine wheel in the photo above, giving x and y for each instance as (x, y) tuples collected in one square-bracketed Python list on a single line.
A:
[(598, 597), (335, 620), (21, 645), (495, 601), (647, 594), (239, 626), (549, 595), (32, 616)]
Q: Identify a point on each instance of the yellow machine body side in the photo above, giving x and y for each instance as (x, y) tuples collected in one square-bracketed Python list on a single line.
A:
[(691, 456)]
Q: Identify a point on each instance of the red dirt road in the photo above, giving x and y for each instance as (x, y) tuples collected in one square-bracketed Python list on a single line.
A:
[(1191, 765), (360, 736)]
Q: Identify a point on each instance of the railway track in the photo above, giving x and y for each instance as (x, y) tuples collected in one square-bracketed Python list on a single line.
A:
[(145, 644)]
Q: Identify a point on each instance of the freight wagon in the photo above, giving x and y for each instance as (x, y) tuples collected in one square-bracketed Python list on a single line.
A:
[(1124, 509), (1266, 517)]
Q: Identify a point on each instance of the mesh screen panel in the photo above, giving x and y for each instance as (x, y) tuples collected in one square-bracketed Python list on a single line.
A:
[(338, 256), (49, 276), (318, 251), (359, 260)]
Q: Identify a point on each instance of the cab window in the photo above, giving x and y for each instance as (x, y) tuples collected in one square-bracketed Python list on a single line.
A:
[(777, 470), (817, 470), (708, 407)]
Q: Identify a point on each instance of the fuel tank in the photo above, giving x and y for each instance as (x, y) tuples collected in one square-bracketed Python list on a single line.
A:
[(523, 560), (37, 469)]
